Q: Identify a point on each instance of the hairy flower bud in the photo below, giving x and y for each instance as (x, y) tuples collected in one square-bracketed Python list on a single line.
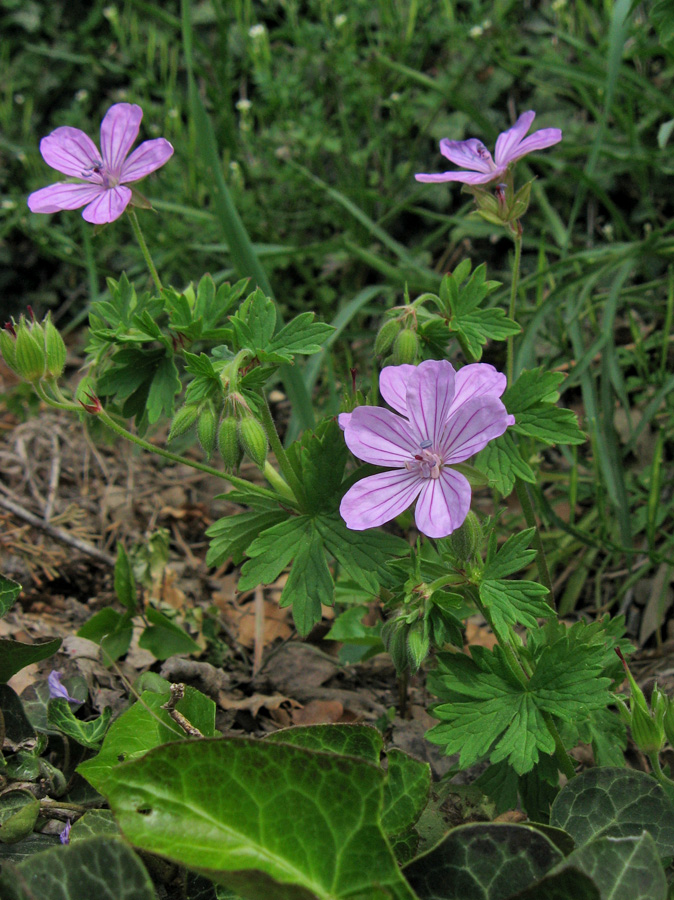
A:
[(466, 540), (55, 349), (405, 347), (417, 644), (648, 734), (253, 439), (207, 429), (8, 346), (386, 336), (183, 420), (228, 442), (31, 359), (394, 636)]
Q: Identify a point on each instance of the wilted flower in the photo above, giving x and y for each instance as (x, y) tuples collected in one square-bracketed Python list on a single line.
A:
[(58, 690), (442, 417), (102, 177), (511, 145)]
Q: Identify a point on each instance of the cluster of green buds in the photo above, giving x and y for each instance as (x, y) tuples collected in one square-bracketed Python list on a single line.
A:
[(398, 336), (34, 350), (650, 725), (232, 427), (502, 205)]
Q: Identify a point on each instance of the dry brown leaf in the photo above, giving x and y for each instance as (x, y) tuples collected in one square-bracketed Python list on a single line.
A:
[(255, 703), (241, 620), (318, 712)]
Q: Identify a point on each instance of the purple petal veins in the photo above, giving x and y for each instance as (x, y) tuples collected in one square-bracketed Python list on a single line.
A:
[(102, 175), (58, 690), (481, 168), (442, 417)]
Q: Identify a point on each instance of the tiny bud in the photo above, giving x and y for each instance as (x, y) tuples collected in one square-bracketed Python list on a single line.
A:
[(94, 406), (228, 442), (387, 334), (30, 355), (253, 439), (207, 429), (417, 644), (55, 349), (466, 540), (183, 420), (405, 347)]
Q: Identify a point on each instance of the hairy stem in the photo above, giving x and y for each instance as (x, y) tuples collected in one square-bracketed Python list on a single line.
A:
[(510, 346), (135, 224), (281, 457)]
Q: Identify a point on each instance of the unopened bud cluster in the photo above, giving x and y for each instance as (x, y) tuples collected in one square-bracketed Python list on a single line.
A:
[(650, 725), (35, 351), (232, 428), (399, 337)]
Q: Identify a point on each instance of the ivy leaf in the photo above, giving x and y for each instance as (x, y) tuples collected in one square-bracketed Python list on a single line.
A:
[(15, 655), (9, 591), (502, 463)]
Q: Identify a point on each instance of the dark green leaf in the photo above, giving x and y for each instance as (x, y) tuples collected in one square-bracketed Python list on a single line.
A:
[(512, 556), (125, 583), (272, 551), (18, 813), (362, 554), (163, 638), (232, 535), (9, 591), (502, 463), (361, 741), (15, 656), (626, 868), (406, 791), (309, 584)]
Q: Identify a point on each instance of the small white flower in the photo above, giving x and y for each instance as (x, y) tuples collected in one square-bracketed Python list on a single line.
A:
[(81, 95), (19, 99), (339, 20), (257, 31), (476, 31), (243, 105)]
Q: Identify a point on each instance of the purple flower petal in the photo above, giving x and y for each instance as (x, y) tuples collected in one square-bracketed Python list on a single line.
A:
[(69, 150), (476, 422), (443, 504), (119, 129), (429, 396), (146, 159), (63, 196), (464, 177), (539, 140), (343, 420), (64, 836), (508, 142), (477, 380), (108, 206), (470, 154), (379, 498), (58, 690), (380, 437), (393, 382)]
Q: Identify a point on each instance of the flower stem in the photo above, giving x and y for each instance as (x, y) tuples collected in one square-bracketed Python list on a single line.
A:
[(530, 516), (510, 350), (657, 770), (287, 470), (135, 224)]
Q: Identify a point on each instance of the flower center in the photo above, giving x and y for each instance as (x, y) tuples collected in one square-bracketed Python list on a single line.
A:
[(425, 464), (98, 173)]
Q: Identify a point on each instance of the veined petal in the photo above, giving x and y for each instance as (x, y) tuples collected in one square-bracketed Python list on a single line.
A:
[(379, 498), (470, 154), (475, 423), (69, 150), (380, 437), (108, 206), (539, 140), (343, 420), (146, 158), (443, 504), (508, 141), (62, 195), (429, 396), (477, 380), (393, 382), (465, 177), (119, 129)]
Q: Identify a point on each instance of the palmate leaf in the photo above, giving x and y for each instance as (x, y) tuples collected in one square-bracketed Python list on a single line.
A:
[(254, 322), (481, 325), (309, 584), (232, 535), (485, 710), (362, 554), (301, 335), (514, 603), (146, 379), (531, 399), (502, 463), (319, 458)]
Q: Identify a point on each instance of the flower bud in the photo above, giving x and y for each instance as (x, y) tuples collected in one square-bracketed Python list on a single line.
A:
[(387, 334), (207, 429), (228, 442), (183, 420), (466, 540), (417, 644), (55, 349), (31, 358), (668, 722), (405, 347), (394, 636), (648, 734), (253, 439), (8, 346)]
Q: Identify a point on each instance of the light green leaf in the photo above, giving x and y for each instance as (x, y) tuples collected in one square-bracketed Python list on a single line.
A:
[(102, 867), (361, 741), (92, 824), (533, 387), (309, 584), (301, 335), (406, 791), (9, 591), (230, 809), (163, 638), (231, 535), (125, 583), (549, 424), (18, 813), (513, 602), (502, 463), (89, 734), (512, 556)]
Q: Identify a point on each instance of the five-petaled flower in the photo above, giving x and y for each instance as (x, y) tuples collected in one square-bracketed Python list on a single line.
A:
[(103, 176), (441, 417), (57, 691), (511, 145)]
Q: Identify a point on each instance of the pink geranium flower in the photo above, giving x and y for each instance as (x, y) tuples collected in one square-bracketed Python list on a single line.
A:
[(442, 417), (103, 175), (511, 145)]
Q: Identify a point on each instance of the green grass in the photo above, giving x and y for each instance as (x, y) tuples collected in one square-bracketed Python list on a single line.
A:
[(307, 185)]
